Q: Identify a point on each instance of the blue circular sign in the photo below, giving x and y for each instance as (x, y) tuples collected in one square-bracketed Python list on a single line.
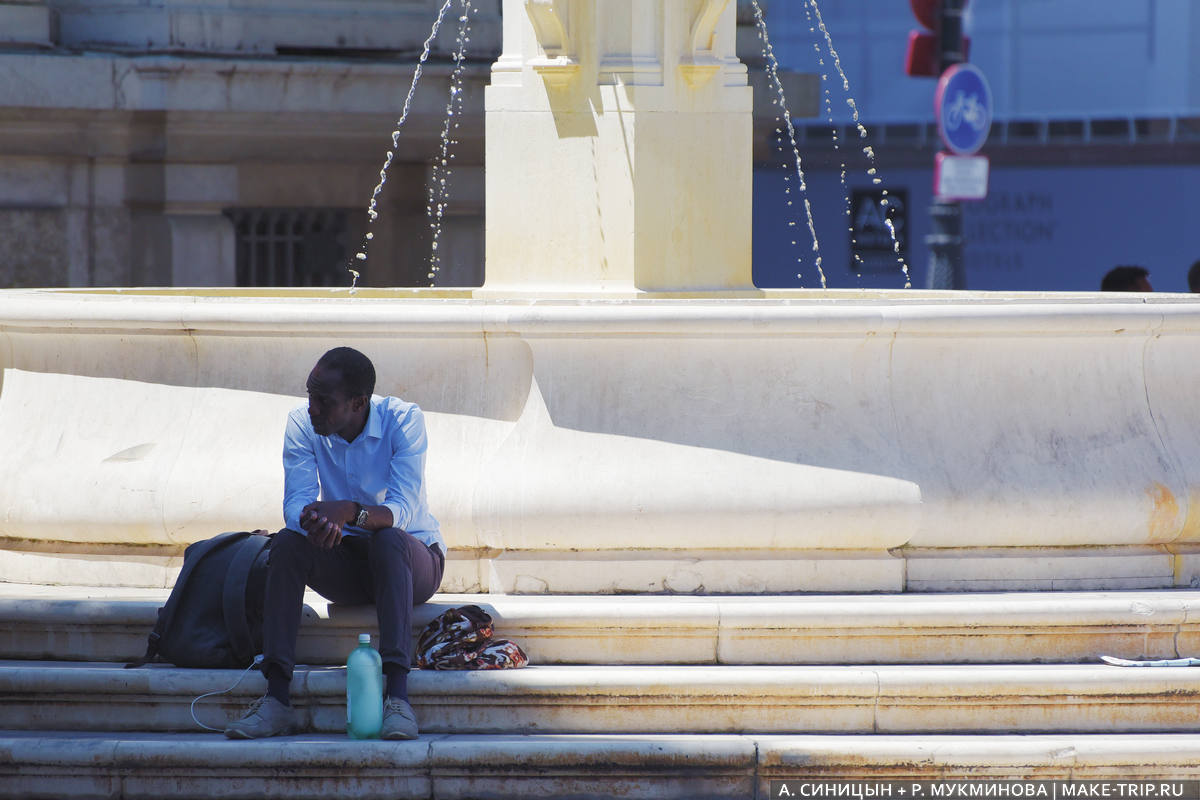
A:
[(963, 104)]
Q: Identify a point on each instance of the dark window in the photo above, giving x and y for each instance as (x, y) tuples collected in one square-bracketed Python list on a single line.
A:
[(290, 246)]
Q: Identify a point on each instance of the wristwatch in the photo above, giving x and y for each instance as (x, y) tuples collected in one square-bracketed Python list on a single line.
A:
[(360, 519)]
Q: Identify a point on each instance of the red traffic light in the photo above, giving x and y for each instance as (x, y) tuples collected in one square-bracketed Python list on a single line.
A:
[(927, 12), (921, 60)]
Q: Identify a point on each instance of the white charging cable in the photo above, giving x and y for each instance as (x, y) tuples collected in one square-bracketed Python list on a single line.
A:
[(257, 660)]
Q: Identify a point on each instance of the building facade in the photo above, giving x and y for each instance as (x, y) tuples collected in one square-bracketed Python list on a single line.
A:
[(203, 143), (1094, 148)]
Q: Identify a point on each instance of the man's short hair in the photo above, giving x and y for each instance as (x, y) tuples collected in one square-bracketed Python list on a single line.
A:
[(1194, 277), (1125, 278), (357, 371)]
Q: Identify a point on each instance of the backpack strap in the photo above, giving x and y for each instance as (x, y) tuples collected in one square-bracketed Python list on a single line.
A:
[(197, 552), (233, 595)]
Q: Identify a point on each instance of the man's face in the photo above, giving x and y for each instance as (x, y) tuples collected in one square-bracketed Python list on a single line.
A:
[(330, 410)]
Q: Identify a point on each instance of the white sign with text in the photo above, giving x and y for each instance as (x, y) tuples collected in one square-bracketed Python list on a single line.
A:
[(960, 177)]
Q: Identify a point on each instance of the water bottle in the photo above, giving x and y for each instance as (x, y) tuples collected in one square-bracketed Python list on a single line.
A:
[(364, 690)]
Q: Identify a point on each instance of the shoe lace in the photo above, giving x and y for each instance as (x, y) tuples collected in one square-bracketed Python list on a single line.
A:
[(253, 708)]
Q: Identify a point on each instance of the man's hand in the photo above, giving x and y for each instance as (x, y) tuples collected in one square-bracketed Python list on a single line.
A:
[(323, 521)]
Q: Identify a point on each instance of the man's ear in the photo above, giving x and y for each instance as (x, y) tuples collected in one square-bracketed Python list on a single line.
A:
[(359, 403)]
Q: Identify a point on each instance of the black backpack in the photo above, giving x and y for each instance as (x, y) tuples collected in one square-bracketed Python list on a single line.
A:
[(213, 617)]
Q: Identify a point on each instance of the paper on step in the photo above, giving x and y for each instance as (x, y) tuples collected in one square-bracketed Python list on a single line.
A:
[(1165, 662)]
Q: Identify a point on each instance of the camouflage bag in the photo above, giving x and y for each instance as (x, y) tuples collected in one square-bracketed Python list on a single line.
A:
[(461, 638)]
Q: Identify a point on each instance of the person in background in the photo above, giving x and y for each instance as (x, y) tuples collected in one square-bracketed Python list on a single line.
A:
[(1127, 278), (1194, 277)]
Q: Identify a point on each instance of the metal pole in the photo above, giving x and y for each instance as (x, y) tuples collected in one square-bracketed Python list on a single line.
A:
[(945, 243), (945, 247)]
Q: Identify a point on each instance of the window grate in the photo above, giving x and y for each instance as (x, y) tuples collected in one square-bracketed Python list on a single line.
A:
[(290, 246)]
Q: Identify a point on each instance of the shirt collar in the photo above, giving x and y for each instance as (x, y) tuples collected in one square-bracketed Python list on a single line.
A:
[(374, 426)]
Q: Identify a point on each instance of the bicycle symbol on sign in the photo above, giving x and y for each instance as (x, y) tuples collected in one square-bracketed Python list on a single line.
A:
[(967, 109)]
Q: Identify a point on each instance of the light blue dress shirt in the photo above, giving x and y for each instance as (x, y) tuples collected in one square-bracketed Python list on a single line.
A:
[(383, 466)]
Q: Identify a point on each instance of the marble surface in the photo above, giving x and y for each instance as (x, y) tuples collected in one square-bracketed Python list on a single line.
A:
[(103, 623), (790, 444)]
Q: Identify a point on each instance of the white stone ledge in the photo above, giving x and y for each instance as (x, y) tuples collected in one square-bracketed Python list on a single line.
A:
[(78, 624), (116, 570), (683, 573), (1077, 757), (641, 699), (457, 767), (337, 312)]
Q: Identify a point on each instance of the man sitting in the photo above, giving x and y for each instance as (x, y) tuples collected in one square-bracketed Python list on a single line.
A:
[(358, 530)]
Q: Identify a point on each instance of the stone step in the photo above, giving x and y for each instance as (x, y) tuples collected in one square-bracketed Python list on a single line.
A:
[(151, 569), (97, 624), (667, 567), (636, 699), (57, 765)]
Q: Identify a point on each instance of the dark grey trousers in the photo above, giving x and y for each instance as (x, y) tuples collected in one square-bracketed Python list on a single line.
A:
[(389, 568)]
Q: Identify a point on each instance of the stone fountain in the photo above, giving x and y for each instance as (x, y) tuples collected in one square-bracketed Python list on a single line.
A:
[(618, 409)]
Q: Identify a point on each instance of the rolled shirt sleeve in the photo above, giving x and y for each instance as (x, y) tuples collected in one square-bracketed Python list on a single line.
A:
[(405, 487)]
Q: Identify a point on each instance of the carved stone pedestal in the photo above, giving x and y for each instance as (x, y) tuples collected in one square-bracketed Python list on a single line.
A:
[(619, 148)]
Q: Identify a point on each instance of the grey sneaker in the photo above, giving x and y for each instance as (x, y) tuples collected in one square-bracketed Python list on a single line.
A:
[(266, 716), (399, 721)]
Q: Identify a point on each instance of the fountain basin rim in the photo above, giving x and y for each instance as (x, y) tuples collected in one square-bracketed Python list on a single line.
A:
[(312, 312)]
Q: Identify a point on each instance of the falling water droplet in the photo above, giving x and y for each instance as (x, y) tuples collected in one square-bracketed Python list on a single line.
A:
[(780, 101), (372, 213)]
